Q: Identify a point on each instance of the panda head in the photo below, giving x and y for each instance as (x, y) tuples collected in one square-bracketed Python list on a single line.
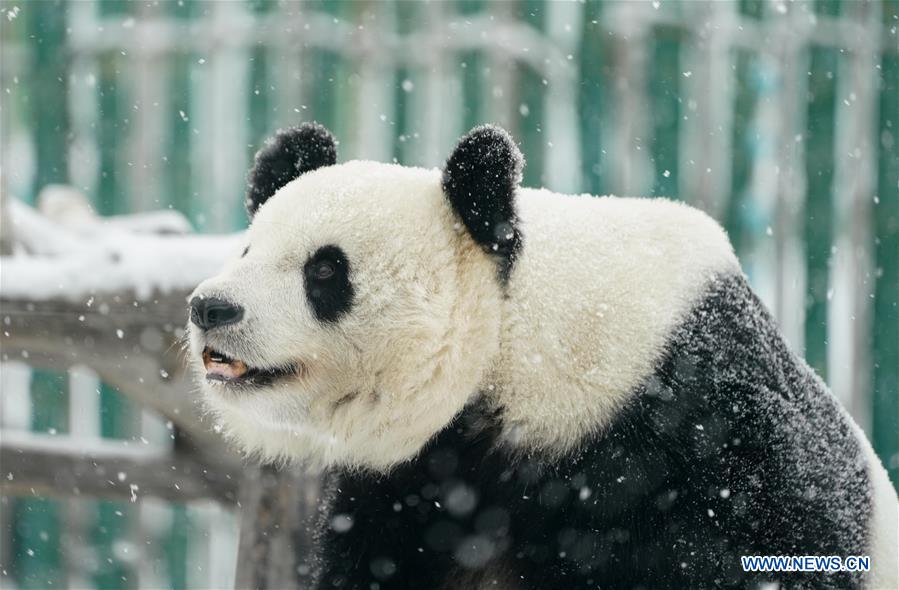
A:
[(364, 309)]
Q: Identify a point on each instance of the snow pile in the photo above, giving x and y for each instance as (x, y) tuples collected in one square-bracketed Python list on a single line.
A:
[(78, 254)]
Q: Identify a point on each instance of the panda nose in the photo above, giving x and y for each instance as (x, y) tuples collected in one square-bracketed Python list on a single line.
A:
[(210, 312)]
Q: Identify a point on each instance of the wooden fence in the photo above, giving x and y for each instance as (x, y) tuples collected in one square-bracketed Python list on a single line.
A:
[(779, 118)]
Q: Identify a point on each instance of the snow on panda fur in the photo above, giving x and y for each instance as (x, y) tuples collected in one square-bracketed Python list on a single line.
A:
[(512, 388)]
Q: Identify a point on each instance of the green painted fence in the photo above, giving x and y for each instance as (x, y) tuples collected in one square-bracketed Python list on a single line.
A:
[(779, 118)]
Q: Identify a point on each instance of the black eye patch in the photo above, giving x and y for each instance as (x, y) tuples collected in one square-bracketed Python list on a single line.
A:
[(328, 287)]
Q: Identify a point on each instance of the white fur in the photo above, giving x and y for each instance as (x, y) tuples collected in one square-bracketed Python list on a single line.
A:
[(883, 526), (600, 285), (396, 369)]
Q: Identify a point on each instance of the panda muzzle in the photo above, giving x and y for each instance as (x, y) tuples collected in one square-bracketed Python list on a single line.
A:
[(220, 367)]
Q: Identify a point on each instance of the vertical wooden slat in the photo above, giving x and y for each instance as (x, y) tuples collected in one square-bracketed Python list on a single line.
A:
[(84, 424), (704, 166), (471, 65), (288, 68), (38, 558), (36, 547), (499, 78), (112, 195), (175, 546), (15, 414), (18, 173), (736, 217), (343, 83), (629, 171), (433, 104), (759, 252), (148, 519), (320, 87), (374, 98), (147, 83), (201, 147), (402, 129), (561, 146), (49, 73), (819, 140), (789, 300), (179, 111), (82, 102), (261, 94), (665, 112), (531, 107), (852, 282), (260, 98), (15, 403), (820, 146), (591, 98), (11, 33), (407, 84), (222, 76), (154, 521), (223, 531), (113, 519)]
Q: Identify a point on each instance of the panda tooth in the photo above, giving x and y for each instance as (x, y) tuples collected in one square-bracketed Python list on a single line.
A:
[(239, 368)]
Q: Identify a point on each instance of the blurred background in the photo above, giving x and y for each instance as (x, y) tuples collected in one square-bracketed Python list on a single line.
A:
[(778, 118)]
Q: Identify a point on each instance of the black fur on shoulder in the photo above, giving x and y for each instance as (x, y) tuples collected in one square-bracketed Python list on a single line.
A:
[(480, 179), (287, 155)]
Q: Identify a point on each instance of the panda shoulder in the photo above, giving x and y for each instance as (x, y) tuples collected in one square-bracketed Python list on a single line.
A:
[(692, 231), (638, 232)]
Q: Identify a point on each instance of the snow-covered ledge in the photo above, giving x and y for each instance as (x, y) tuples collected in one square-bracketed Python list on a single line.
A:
[(65, 252)]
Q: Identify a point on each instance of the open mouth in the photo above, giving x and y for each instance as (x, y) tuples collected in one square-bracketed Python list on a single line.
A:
[(221, 367)]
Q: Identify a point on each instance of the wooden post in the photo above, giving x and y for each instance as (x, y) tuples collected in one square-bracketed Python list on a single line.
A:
[(278, 509)]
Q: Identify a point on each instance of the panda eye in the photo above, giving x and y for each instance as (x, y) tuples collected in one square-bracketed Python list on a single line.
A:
[(329, 291), (324, 270)]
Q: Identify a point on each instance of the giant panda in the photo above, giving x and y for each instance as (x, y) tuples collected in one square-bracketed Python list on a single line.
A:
[(510, 388)]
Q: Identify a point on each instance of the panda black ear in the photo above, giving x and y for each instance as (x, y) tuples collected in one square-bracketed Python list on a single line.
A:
[(480, 179), (284, 157)]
